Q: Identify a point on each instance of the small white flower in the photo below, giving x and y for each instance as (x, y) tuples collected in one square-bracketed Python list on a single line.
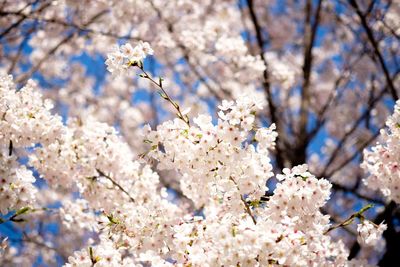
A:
[(146, 48), (369, 234), (127, 50)]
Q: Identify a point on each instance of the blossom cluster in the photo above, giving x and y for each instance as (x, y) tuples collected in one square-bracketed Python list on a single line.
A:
[(25, 120), (123, 56), (90, 157), (219, 158), (16, 184), (382, 162), (289, 230), (25, 117), (295, 237), (223, 166), (214, 199)]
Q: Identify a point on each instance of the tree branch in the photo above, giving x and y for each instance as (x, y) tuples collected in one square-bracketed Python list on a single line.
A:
[(116, 184), (267, 85), (375, 46)]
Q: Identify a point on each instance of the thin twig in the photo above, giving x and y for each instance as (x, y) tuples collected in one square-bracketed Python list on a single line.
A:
[(349, 220), (246, 205), (116, 184), (164, 94)]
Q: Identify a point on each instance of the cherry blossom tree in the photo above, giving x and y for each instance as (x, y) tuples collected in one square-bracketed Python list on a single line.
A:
[(199, 133)]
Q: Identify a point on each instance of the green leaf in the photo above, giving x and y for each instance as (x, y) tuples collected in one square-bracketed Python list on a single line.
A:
[(185, 133), (255, 203), (112, 219), (301, 176), (234, 231), (154, 147)]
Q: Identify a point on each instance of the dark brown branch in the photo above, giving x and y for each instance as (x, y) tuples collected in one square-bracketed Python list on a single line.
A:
[(70, 25), (353, 191), (10, 148), (28, 239), (375, 47), (18, 55), (354, 155), (186, 55), (65, 40), (332, 99), (267, 85), (309, 41), (339, 146), (22, 18)]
